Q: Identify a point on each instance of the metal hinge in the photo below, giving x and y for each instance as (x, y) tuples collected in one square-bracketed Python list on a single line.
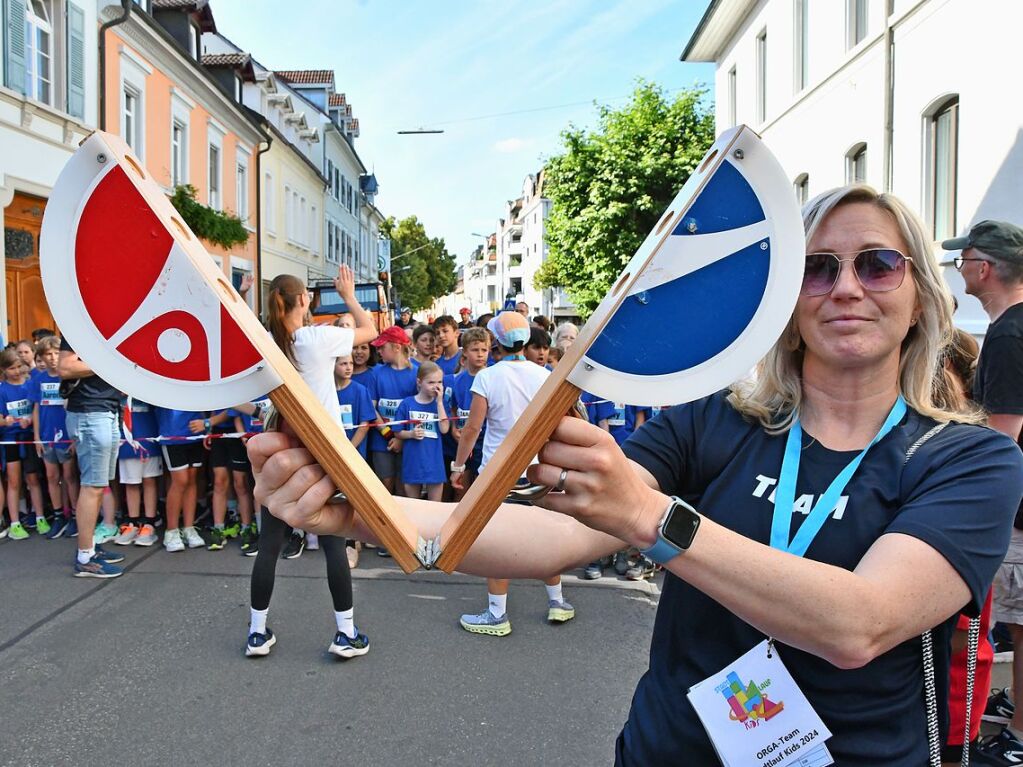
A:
[(428, 552)]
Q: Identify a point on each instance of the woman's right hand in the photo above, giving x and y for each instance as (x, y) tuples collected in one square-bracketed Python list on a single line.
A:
[(293, 486), (345, 283)]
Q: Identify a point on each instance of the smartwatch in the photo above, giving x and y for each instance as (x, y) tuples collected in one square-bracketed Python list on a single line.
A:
[(675, 533), (207, 425)]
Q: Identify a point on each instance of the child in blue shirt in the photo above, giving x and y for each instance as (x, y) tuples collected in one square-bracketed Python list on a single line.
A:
[(626, 419), (475, 352), (422, 462), (247, 419), (16, 402), (48, 417), (598, 410), (183, 457), (139, 467), (393, 380), (356, 406)]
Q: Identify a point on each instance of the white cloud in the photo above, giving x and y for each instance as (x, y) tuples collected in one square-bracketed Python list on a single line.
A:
[(509, 145)]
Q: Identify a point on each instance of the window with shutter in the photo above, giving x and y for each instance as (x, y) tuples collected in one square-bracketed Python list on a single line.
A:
[(75, 61), (14, 44)]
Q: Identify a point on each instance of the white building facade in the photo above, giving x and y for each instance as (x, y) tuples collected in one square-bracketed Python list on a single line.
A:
[(907, 95), (48, 104)]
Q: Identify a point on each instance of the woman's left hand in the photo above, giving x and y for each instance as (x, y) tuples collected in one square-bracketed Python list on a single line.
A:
[(602, 488), (344, 284)]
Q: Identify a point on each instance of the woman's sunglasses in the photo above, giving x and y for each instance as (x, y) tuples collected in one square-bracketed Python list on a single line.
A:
[(878, 270)]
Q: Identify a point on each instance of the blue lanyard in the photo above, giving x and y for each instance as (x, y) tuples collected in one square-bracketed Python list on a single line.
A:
[(785, 495)]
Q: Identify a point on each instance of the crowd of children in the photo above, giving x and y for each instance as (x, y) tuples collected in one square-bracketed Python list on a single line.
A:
[(404, 401)]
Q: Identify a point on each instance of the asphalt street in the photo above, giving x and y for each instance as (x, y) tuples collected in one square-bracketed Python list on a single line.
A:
[(148, 669)]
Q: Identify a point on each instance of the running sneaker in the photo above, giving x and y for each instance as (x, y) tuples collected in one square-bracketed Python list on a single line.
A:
[(382, 552), (294, 547), (233, 529), (96, 568), (28, 519), (486, 623), (4, 529), (42, 526), (71, 531), (622, 563), (104, 533), (1000, 708), (18, 532), (249, 538), (129, 532), (344, 646), (644, 568), (58, 528), (593, 571), (172, 540), (559, 611), (218, 539), (312, 542), (192, 538), (147, 536), (107, 557), (1002, 749), (260, 644)]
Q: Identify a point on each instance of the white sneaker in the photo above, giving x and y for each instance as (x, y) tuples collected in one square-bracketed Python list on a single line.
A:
[(192, 538), (129, 533), (172, 540), (312, 542)]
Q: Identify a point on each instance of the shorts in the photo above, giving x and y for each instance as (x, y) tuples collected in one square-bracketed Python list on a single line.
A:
[(1008, 586), (26, 455), (183, 455), (387, 465), (239, 455), (96, 438), (133, 470), (220, 451), (57, 453)]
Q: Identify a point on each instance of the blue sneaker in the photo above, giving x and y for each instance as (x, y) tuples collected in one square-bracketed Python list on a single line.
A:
[(71, 531), (486, 623), (344, 646), (28, 519), (96, 568), (260, 644), (58, 527), (559, 611), (109, 557)]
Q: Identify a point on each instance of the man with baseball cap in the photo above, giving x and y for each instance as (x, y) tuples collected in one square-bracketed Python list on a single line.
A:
[(991, 263), (466, 314)]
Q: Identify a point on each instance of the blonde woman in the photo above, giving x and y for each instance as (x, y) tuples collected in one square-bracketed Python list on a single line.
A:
[(726, 493)]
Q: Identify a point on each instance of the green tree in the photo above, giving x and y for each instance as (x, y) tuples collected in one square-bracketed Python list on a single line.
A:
[(611, 185), (427, 273)]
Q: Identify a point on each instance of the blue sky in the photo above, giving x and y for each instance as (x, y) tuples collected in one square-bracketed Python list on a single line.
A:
[(453, 65)]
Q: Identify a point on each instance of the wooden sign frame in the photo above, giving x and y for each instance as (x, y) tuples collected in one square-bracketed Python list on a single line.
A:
[(102, 153), (575, 370)]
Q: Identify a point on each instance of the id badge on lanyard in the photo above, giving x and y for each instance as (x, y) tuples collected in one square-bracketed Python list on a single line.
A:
[(753, 710)]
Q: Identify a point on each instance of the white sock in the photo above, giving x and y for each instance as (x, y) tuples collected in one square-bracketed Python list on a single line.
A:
[(554, 592), (498, 604), (346, 622), (84, 555), (257, 621)]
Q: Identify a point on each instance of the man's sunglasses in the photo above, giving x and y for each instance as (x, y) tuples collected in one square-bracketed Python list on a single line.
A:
[(878, 270), (958, 262)]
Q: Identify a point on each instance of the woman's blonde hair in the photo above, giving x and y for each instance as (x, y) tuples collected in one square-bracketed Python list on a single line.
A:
[(774, 396)]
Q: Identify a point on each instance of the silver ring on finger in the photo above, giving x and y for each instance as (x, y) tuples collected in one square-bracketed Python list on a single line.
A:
[(560, 487)]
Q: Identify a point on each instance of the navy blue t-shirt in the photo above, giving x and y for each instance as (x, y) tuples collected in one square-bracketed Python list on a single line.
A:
[(387, 389), (45, 392), (143, 424), (356, 409), (422, 460), (958, 494)]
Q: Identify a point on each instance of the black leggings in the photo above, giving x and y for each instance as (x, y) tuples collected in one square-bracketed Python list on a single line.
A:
[(271, 541)]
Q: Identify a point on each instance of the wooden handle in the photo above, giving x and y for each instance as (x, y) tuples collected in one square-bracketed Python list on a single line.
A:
[(326, 440), (504, 468)]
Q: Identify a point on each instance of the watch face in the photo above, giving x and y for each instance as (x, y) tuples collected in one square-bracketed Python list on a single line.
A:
[(681, 524)]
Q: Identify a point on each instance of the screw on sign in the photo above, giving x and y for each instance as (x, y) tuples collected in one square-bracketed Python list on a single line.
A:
[(719, 274), (142, 302)]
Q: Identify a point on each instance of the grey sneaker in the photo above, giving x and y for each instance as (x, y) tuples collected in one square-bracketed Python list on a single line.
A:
[(486, 623), (593, 571), (129, 532), (644, 568), (147, 536), (559, 611), (622, 563)]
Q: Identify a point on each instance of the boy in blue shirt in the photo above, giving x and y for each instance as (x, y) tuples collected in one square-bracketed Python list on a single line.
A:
[(356, 406), (183, 457), (475, 352), (16, 403), (49, 426)]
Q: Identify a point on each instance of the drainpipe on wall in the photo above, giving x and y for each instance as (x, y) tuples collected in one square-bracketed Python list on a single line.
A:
[(125, 13), (259, 226), (889, 100)]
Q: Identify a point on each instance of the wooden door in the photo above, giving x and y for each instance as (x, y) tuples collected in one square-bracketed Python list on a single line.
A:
[(26, 303)]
